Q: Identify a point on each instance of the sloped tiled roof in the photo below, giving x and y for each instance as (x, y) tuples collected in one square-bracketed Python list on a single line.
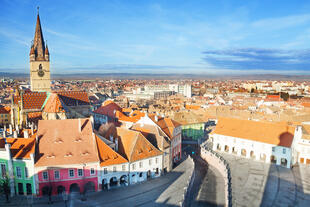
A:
[(34, 116), (134, 146), (53, 104), (21, 148), (108, 109), (166, 124), (152, 134), (72, 98), (33, 100), (5, 109), (63, 142), (107, 155), (272, 133)]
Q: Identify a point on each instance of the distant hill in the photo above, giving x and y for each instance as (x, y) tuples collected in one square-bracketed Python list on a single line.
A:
[(162, 76)]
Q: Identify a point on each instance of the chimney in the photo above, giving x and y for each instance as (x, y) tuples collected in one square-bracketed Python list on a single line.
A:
[(26, 134), (116, 145), (15, 134), (17, 129), (156, 118), (11, 129), (80, 125), (31, 128), (4, 133), (91, 118)]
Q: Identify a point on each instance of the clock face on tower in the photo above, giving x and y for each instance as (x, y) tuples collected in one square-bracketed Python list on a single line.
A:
[(40, 71)]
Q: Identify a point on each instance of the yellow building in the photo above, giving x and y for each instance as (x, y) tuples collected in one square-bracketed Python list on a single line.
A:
[(5, 117)]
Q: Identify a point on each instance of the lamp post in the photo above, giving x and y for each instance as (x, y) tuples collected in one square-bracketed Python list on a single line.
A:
[(84, 189)]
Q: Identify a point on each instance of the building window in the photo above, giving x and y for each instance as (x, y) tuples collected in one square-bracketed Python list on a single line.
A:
[(56, 174), (150, 161), (18, 172), (123, 167), (114, 169), (273, 149), (140, 164), (45, 175), (133, 166), (105, 171), (3, 170), (92, 171), (284, 150), (80, 172), (26, 172), (71, 173)]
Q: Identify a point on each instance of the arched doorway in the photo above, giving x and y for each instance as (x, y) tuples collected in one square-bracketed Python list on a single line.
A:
[(60, 189), (234, 150), (123, 180), (148, 174), (45, 191), (89, 187), (20, 189), (104, 184), (283, 162), (263, 157), (243, 152), (28, 189), (226, 148), (133, 178), (273, 159), (74, 188), (113, 181), (252, 154)]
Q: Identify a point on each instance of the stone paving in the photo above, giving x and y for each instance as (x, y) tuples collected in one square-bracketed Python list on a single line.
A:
[(255, 183), (166, 190)]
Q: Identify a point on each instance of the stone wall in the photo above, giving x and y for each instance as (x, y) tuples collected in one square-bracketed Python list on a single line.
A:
[(190, 182), (216, 160)]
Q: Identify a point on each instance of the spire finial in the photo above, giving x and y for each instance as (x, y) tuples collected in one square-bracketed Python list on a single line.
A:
[(38, 9)]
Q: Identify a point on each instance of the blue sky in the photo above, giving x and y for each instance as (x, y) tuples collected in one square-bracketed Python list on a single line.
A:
[(202, 37)]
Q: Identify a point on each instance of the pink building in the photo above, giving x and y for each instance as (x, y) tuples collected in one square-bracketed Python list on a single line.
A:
[(66, 160)]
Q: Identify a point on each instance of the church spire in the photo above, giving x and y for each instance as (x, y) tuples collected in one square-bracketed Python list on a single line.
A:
[(38, 41)]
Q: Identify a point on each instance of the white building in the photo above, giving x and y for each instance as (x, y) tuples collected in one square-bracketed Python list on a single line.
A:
[(302, 145), (265, 141)]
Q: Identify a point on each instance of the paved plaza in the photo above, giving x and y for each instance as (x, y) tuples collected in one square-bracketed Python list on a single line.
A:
[(255, 183), (163, 191)]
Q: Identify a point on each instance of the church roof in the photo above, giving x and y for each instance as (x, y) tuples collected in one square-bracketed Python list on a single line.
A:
[(38, 41)]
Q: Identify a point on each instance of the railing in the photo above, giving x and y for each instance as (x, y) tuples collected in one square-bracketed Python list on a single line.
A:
[(215, 159)]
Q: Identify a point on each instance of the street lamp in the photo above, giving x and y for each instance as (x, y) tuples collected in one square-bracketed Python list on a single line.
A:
[(84, 189)]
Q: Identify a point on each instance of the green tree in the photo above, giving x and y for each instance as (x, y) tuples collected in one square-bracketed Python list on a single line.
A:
[(5, 187)]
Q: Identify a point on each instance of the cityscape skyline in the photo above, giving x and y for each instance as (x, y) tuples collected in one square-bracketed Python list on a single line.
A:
[(160, 37)]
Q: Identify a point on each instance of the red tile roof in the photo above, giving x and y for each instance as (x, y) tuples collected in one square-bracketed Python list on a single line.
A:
[(108, 109), (21, 148), (107, 155), (134, 146), (53, 104), (63, 142), (272, 133)]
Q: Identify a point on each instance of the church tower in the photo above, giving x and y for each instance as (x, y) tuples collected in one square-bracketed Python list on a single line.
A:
[(39, 62)]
